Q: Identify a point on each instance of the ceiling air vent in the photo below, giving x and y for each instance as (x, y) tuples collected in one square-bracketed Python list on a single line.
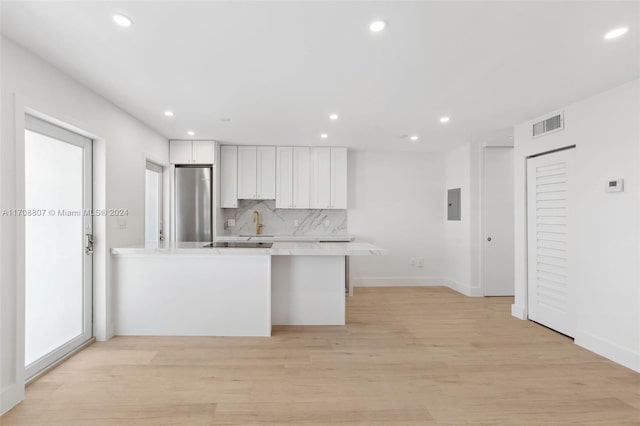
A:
[(548, 125)]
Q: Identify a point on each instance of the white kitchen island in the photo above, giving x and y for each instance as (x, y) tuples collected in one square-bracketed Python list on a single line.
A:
[(185, 289)]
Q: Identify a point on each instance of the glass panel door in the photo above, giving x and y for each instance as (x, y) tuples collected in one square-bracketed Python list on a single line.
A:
[(58, 243)]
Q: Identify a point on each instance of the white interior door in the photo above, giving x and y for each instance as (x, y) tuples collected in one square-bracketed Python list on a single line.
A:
[(498, 222), (549, 232), (58, 243), (153, 221)]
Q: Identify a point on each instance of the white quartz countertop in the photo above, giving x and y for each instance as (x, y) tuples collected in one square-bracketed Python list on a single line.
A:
[(277, 249), (287, 238)]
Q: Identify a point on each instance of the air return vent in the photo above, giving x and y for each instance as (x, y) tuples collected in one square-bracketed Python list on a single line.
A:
[(548, 125)]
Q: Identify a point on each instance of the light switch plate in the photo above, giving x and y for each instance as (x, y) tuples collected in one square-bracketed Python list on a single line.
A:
[(615, 185), (231, 222)]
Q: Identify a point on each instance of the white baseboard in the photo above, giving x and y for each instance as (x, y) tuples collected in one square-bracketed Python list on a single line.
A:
[(519, 312), (10, 396), (397, 282), (415, 282), (607, 349), (465, 289)]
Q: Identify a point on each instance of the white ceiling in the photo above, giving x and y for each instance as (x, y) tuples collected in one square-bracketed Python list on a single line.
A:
[(277, 69)]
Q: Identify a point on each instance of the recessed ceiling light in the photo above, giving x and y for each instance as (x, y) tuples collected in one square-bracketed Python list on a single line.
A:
[(377, 26), (122, 20), (616, 33), (168, 113), (413, 138), (191, 133), (333, 117), (444, 119), (324, 136)]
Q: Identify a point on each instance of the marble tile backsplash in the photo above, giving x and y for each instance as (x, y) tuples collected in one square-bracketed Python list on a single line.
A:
[(283, 221)]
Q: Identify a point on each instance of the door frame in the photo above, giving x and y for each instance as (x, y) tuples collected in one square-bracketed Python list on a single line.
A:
[(149, 161), (13, 393)]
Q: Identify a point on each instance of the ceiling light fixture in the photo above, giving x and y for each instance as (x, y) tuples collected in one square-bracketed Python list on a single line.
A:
[(413, 138), (191, 133), (445, 119), (377, 26), (122, 20), (616, 33), (333, 117), (168, 113), (324, 136)]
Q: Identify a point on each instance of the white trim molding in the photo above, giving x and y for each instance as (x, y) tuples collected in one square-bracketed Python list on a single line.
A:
[(465, 289), (398, 282), (607, 349), (416, 282), (11, 396), (518, 311)]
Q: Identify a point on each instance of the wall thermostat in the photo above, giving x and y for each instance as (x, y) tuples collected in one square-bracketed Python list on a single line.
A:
[(615, 185)]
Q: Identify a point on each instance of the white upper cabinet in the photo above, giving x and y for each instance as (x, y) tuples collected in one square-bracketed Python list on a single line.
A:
[(338, 178), (204, 152), (180, 152), (328, 178), (284, 177), (228, 176), (257, 172), (320, 178), (247, 172), (292, 178), (266, 172), (296, 177), (301, 175), (192, 152)]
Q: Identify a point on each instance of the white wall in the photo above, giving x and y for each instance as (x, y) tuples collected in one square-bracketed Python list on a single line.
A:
[(121, 145), (395, 202), (461, 242), (606, 131)]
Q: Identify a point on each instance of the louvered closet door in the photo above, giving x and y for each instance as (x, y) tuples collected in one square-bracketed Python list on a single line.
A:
[(549, 232)]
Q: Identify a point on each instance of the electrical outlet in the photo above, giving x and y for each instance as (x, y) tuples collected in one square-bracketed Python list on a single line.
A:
[(296, 222), (231, 222), (122, 223), (413, 261), (420, 262), (326, 222)]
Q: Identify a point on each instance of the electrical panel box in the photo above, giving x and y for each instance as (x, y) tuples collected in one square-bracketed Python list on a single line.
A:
[(453, 204)]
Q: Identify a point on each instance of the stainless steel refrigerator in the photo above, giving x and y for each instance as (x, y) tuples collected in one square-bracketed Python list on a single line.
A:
[(194, 193)]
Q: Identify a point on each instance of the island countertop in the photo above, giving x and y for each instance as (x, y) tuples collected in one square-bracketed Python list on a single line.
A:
[(277, 249)]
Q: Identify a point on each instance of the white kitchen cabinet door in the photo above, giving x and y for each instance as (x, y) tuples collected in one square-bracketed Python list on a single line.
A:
[(204, 152), (247, 168), (338, 178), (320, 178), (301, 174), (266, 172), (284, 177), (228, 176), (180, 152)]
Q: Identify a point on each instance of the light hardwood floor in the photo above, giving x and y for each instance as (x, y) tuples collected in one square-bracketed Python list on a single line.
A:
[(408, 356)]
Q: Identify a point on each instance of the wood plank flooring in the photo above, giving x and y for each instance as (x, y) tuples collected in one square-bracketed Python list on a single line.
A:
[(408, 356)]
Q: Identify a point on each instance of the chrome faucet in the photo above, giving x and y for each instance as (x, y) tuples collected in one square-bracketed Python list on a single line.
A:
[(256, 220)]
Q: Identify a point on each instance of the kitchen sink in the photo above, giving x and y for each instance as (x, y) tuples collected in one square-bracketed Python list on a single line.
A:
[(238, 244)]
